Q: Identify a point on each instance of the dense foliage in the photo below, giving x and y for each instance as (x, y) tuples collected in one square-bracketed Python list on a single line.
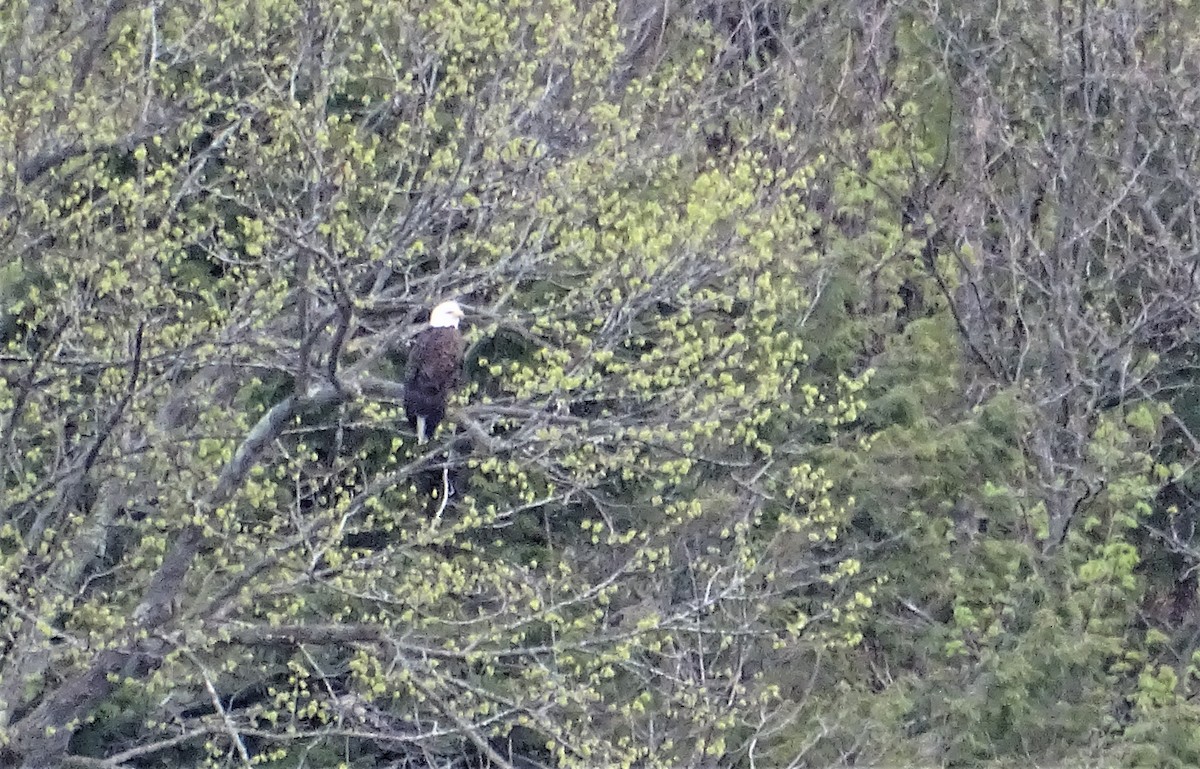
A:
[(828, 396)]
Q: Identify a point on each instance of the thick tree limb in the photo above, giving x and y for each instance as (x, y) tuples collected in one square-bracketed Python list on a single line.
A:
[(40, 738)]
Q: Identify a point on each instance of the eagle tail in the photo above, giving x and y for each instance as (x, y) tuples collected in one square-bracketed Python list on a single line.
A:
[(422, 438)]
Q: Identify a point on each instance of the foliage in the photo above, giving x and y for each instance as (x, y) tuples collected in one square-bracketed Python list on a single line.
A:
[(218, 545), (829, 391)]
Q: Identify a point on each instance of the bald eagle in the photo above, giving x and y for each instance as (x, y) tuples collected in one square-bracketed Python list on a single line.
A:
[(434, 370)]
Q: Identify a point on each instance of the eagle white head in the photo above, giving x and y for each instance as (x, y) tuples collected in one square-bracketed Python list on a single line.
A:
[(446, 315)]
